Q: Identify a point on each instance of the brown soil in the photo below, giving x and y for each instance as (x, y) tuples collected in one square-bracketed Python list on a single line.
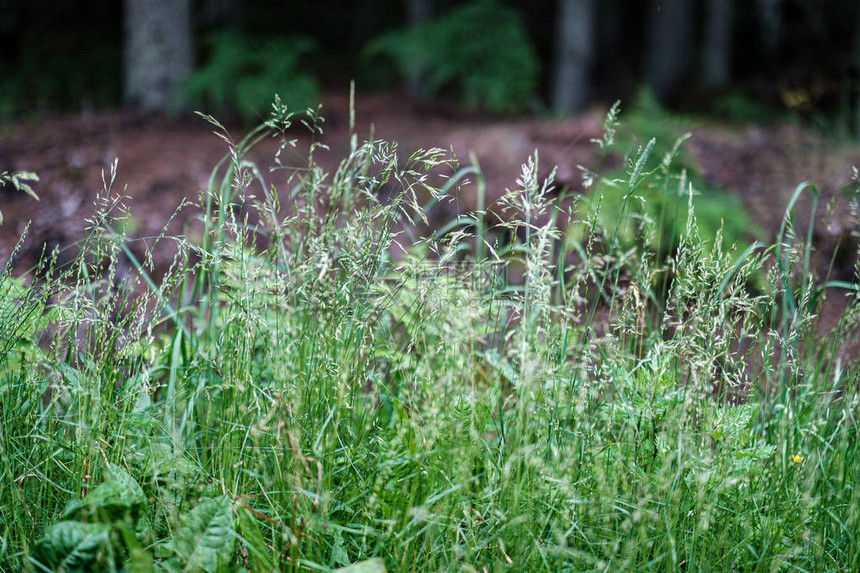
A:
[(163, 161)]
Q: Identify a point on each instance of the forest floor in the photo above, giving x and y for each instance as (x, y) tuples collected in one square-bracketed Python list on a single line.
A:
[(163, 161)]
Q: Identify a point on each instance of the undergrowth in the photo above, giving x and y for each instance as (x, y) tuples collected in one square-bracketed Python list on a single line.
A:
[(242, 73), (660, 200), (480, 50), (312, 385)]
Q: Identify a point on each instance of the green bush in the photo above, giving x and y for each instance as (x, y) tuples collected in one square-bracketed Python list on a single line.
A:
[(242, 73), (46, 81), (480, 49), (736, 106), (658, 200)]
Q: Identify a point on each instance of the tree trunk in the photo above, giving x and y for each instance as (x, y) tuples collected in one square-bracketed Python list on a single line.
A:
[(815, 18), (365, 23), (716, 71), (770, 20), (9, 15), (668, 45), (574, 41), (856, 63), (419, 12), (159, 53), (857, 40)]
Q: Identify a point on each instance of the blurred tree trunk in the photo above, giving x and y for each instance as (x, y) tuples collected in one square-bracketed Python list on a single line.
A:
[(669, 34), (574, 41), (815, 17), (159, 52), (856, 63), (9, 15), (857, 39), (717, 66), (418, 12), (365, 23), (770, 20)]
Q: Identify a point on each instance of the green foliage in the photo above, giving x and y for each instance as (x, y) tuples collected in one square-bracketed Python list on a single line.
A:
[(118, 497), (242, 73), (204, 539), (368, 566), (21, 308), (294, 395), (10, 92), (657, 199), (480, 49), (95, 532), (255, 545), (70, 75), (738, 107), (73, 546)]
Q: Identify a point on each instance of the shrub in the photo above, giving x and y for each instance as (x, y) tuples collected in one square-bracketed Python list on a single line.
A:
[(480, 49), (242, 73), (657, 205)]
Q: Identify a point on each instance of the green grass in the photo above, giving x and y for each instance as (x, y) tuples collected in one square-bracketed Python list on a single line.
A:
[(310, 387), (661, 199)]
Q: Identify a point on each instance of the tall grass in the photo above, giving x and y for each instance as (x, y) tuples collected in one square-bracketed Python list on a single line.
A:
[(311, 385)]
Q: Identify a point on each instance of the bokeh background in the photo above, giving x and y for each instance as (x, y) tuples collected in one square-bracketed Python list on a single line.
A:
[(741, 59)]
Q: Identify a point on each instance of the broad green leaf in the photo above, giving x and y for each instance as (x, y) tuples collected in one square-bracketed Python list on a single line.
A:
[(339, 554), (504, 367), (161, 461), (375, 565), (117, 497), (139, 560), (204, 539), (259, 558), (73, 546)]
